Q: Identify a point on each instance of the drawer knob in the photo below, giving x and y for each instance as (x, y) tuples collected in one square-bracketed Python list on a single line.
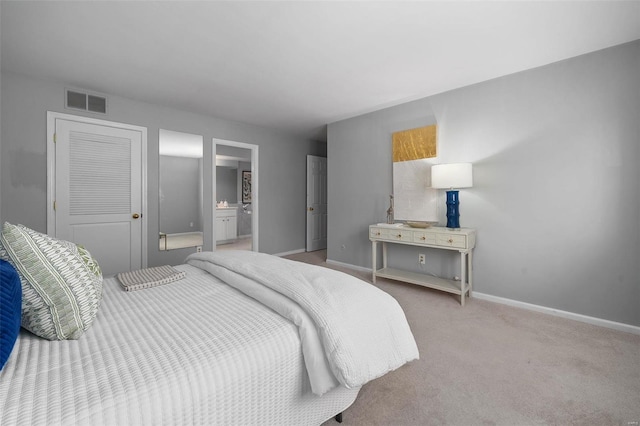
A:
[(450, 240), (423, 238), (399, 235)]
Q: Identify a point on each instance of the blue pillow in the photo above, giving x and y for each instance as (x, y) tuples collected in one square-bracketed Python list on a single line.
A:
[(10, 309)]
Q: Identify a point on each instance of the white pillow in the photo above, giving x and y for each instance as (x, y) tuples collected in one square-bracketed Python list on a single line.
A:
[(61, 282)]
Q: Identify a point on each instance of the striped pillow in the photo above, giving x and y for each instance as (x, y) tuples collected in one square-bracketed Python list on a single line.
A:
[(61, 282)]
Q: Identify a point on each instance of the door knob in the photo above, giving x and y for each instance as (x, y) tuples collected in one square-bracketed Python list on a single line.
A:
[(310, 209), (135, 215)]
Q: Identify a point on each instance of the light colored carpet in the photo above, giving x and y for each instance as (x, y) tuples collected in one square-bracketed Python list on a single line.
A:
[(491, 364)]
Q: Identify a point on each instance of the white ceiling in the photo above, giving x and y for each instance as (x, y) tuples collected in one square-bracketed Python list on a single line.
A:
[(297, 66)]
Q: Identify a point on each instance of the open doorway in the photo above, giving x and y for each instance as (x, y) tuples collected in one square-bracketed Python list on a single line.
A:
[(235, 186)]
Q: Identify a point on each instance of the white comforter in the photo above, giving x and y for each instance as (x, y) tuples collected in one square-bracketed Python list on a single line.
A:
[(351, 331)]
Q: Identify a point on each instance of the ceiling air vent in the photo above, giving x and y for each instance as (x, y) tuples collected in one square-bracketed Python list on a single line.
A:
[(86, 102)]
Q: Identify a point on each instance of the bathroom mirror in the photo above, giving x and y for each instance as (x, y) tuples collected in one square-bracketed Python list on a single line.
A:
[(180, 187)]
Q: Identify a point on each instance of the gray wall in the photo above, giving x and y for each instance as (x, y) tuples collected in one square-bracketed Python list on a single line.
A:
[(181, 200), (24, 105), (556, 196)]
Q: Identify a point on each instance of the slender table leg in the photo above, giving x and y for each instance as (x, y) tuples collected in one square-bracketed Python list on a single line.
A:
[(384, 254), (470, 271), (374, 260), (463, 276)]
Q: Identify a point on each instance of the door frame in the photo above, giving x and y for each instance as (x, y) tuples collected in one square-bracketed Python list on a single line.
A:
[(254, 188), (51, 169)]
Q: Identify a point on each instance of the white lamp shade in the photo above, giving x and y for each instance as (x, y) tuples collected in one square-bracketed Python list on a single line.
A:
[(454, 175)]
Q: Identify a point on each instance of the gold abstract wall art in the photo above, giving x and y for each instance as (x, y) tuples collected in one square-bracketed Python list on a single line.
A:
[(415, 144), (414, 199)]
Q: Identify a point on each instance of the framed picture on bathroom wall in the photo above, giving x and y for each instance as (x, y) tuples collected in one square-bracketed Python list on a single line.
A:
[(246, 187)]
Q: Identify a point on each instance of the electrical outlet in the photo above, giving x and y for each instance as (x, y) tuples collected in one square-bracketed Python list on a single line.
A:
[(421, 259), (198, 249)]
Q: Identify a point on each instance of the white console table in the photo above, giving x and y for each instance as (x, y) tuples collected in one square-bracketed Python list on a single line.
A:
[(462, 240)]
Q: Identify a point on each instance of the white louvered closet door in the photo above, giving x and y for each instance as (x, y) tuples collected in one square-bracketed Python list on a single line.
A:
[(99, 192)]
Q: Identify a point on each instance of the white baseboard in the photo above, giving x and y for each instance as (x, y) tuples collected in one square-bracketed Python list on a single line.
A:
[(628, 328), (558, 313), (348, 265), (287, 253)]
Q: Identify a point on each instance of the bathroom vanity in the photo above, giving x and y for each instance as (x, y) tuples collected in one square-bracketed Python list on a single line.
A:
[(226, 224)]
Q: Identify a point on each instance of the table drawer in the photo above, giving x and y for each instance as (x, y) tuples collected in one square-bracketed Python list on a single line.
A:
[(424, 237), (449, 240), (399, 235), (377, 232)]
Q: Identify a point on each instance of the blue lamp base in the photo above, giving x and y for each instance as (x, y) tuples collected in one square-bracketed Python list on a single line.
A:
[(453, 212)]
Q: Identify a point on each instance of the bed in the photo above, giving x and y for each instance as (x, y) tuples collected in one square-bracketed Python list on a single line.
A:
[(210, 348)]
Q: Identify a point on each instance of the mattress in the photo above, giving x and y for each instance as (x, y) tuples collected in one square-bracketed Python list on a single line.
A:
[(194, 351)]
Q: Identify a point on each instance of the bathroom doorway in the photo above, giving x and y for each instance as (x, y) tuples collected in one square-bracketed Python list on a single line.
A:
[(235, 186)]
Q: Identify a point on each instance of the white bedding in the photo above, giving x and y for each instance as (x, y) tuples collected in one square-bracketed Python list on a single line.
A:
[(225, 359), (351, 331)]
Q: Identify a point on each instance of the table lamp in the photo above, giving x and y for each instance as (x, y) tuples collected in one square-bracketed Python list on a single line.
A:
[(452, 176)]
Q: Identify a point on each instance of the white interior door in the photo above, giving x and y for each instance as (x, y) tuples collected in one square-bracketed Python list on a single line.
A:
[(316, 203), (99, 192)]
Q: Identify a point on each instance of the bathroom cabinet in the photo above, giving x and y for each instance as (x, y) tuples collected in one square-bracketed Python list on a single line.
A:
[(226, 224)]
